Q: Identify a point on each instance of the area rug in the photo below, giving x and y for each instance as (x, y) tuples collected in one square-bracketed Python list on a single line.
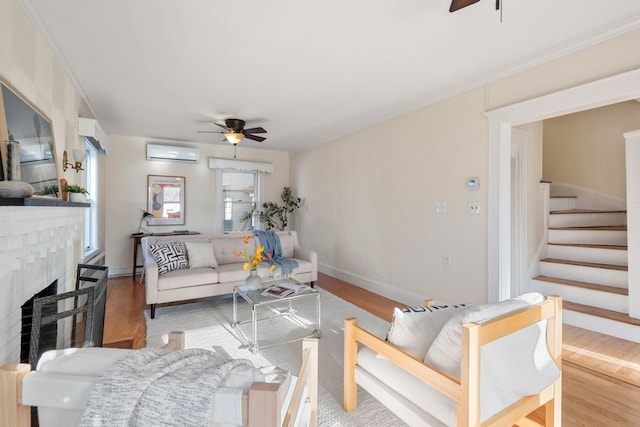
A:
[(207, 325)]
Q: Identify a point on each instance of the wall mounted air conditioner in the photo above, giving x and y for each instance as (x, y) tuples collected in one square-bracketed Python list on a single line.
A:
[(172, 153)]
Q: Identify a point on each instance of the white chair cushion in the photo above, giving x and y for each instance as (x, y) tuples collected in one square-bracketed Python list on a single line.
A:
[(64, 378), (413, 329), (408, 386), (201, 254), (79, 361), (445, 352), (512, 367)]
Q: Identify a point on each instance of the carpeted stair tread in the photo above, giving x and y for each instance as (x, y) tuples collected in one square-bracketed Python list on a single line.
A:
[(600, 312), (583, 285), (587, 264)]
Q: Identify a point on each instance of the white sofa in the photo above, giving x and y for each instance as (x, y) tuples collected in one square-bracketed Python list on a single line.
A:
[(206, 277)]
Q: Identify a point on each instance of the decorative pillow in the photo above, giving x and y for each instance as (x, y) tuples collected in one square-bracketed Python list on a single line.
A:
[(446, 351), (169, 256), (413, 329), (201, 254)]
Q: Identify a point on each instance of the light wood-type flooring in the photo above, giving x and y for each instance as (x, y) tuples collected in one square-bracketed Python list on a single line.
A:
[(601, 374)]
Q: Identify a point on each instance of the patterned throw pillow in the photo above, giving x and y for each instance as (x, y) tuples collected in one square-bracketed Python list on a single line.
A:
[(169, 256), (413, 329)]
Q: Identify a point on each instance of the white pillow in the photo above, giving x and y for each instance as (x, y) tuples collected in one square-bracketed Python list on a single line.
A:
[(413, 329), (201, 255), (446, 351)]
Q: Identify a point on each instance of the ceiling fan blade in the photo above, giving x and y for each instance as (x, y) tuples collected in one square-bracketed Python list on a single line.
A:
[(208, 131), (255, 137), (459, 4), (254, 130), (218, 124)]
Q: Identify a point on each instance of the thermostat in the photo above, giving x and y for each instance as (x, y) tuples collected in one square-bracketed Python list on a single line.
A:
[(473, 183)]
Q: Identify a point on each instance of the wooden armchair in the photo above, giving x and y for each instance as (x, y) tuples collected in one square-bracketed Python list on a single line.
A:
[(466, 391), (262, 404)]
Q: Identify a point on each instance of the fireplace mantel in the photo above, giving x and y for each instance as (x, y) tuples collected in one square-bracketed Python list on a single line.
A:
[(40, 201)]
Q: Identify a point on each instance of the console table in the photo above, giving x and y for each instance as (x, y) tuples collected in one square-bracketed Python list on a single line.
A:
[(137, 237)]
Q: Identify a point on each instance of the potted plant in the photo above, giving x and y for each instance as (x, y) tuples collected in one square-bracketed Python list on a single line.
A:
[(76, 193), (275, 216)]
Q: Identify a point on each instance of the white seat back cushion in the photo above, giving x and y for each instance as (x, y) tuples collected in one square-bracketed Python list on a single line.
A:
[(512, 367), (287, 244), (201, 254)]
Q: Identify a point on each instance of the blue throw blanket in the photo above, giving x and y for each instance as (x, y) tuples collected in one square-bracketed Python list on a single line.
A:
[(271, 242)]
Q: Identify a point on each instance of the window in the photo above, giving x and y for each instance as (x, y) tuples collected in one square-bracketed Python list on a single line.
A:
[(238, 194), (91, 213), (240, 199)]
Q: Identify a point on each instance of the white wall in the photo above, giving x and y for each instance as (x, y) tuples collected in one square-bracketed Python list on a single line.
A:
[(586, 149), (27, 63), (126, 190), (371, 195)]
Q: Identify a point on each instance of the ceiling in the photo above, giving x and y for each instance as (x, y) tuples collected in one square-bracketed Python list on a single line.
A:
[(308, 72)]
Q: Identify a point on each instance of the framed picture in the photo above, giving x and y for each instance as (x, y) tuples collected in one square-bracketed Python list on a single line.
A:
[(165, 199)]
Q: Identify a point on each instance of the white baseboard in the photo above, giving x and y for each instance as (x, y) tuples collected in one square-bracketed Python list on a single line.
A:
[(384, 289), (122, 271)]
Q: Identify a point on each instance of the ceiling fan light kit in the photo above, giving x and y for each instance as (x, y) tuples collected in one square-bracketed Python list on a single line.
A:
[(234, 137)]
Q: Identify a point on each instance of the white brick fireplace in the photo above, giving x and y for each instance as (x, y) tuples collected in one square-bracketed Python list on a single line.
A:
[(38, 244)]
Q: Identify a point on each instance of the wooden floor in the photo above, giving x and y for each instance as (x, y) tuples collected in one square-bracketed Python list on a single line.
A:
[(601, 374)]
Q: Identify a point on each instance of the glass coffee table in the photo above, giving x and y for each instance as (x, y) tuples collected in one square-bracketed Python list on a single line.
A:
[(294, 309)]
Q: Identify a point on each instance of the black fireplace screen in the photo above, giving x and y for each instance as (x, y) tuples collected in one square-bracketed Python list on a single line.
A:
[(87, 305)]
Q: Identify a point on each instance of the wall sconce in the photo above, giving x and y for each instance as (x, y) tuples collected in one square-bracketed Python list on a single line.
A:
[(78, 155)]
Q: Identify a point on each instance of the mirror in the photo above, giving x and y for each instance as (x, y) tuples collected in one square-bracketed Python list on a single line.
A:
[(24, 124)]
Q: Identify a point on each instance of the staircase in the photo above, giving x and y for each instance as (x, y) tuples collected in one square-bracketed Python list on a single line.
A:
[(586, 264)]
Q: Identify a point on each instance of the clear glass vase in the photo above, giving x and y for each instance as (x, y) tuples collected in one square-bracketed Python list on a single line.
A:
[(253, 281)]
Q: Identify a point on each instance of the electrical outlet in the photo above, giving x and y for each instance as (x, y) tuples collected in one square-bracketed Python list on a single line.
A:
[(446, 262), (441, 207), (473, 207)]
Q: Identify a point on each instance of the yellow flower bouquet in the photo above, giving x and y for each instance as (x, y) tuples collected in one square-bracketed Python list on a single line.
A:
[(254, 260)]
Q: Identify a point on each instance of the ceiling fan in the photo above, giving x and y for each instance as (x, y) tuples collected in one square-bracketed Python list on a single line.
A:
[(234, 131), (459, 4)]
